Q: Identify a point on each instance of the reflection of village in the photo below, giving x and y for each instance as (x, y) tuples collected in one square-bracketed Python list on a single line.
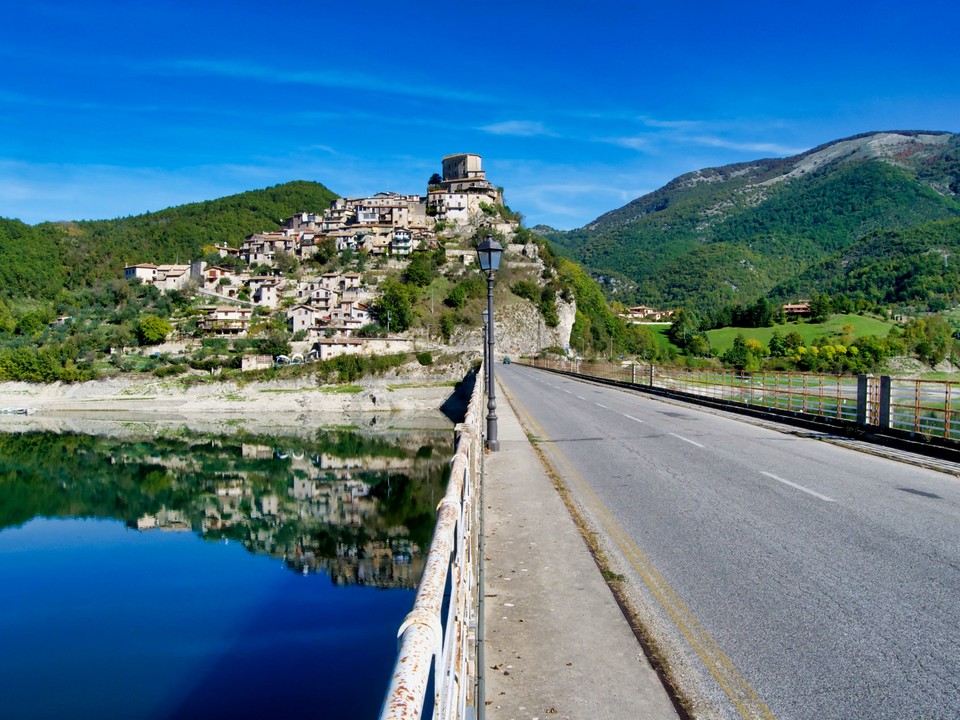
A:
[(326, 496)]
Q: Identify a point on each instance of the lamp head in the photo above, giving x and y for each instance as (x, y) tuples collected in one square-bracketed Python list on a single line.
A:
[(488, 254)]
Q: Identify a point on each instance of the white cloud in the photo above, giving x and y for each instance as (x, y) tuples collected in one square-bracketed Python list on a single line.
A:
[(336, 79), (756, 147), (670, 124), (519, 128), (632, 143)]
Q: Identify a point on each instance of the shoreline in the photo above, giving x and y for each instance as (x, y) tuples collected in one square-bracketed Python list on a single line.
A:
[(423, 402)]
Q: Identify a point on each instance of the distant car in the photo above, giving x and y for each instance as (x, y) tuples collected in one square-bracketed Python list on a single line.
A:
[(506, 361)]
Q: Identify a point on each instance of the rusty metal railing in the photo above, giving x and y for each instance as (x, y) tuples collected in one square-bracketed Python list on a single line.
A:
[(922, 407), (833, 396), (428, 638), (926, 407)]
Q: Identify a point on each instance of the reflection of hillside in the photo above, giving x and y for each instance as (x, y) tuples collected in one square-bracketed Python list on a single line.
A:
[(358, 508)]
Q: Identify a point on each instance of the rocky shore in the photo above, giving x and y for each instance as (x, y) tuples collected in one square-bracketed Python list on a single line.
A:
[(417, 399)]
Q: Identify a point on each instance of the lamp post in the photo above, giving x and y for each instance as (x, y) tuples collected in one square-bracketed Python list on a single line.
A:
[(488, 254), (486, 361)]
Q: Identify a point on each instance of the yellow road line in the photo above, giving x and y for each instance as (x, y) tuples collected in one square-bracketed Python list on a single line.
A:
[(748, 703)]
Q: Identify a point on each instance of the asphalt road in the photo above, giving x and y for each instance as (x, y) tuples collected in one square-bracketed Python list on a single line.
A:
[(784, 576)]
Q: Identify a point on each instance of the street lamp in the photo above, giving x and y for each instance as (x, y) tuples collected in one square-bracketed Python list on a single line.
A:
[(486, 362), (488, 254)]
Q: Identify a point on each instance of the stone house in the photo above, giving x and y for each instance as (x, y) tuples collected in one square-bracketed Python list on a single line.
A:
[(464, 187), (313, 293), (306, 317), (165, 277), (226, 320), (266, 291), (327, 348), (213, 274)]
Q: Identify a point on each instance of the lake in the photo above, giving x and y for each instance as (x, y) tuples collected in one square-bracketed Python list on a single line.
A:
[(186, 575)]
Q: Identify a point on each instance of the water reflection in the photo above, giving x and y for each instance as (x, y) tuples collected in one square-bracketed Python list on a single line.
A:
[(357, 507)]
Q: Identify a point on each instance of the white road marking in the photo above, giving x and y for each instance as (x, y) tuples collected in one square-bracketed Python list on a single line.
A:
[(603, 406), (801, 488), (569, 393), (581, 397), (631, 417), (681, 437)]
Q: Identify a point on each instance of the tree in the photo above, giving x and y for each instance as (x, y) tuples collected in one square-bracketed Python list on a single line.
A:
[(745, 354), (792, 341), (152, 330), (931, 338), (275, 343), (394, 308), (699, 345), (435, 179), (820, 308), (643, 343), (685, 325), (286, 263), (761, 313), (457, 297), (778, 344), (422, 270), (326, 250)]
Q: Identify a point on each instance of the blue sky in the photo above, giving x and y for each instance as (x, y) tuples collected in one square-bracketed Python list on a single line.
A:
[(110, 109)]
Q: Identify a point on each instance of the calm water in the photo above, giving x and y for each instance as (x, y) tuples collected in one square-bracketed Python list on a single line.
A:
[(237, 577)]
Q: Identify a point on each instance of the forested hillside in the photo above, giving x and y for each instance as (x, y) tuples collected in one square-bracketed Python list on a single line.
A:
[(916, 265), (735, 233), (38, 261)]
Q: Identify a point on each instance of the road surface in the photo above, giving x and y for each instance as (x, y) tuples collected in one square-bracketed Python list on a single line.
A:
[(784, 577)]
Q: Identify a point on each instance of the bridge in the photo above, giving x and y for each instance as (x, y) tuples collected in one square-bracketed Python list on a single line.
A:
[(642, 556)]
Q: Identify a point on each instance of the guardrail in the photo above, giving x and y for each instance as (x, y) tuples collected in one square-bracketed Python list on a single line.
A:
[(428, 638), (930, 408), (926, 407)]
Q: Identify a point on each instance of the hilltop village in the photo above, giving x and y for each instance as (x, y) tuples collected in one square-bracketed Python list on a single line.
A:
[(270, 272)]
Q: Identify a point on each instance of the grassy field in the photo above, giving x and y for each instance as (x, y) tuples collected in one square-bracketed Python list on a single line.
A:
[(852, 325)]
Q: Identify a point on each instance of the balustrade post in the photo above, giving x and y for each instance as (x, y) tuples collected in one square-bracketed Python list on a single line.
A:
[(885, 400)]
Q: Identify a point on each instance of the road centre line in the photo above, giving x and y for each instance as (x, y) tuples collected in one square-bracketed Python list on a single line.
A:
[(681, 437), (801, 488), (581, 397), (631, 417), (601, 405)]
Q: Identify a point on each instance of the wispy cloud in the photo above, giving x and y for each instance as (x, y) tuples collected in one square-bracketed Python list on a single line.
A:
[(339, 79), (633, 143), (519, 128), (673, 135), (669, 124), (760, 147)]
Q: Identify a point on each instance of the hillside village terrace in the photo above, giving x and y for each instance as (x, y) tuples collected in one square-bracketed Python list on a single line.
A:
[(329, 309)]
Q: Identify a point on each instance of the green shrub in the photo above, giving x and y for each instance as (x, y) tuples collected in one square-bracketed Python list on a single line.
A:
[(169, 371)]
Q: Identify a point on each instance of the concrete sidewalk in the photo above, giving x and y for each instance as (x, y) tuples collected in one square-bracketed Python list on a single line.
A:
[(557, 644)]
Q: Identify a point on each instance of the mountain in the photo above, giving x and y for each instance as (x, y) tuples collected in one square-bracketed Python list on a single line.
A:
[(778, 227), (37, 261)]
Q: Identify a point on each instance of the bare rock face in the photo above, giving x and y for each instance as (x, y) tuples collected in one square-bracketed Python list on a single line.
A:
[(519, 329)]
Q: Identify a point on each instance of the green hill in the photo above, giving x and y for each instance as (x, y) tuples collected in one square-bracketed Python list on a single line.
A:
[(38, 261), (852, 326), (731, 234)]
